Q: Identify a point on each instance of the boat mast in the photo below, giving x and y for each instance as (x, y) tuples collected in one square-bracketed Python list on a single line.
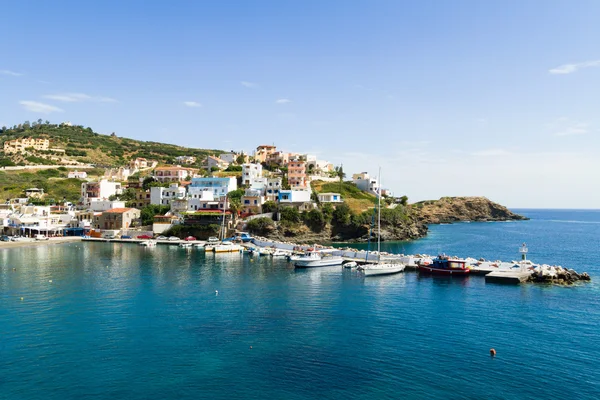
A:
[(379, 216)]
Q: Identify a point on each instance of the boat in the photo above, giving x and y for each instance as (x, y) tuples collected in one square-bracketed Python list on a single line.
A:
[(148, 243), (200, 246), (317, 259), (280, 253), (380, 268), (444, 265), (264, 251), (350, 264), (227, 247), (185, 245)]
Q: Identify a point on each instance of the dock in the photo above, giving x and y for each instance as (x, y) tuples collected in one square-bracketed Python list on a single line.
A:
[(508, 277)]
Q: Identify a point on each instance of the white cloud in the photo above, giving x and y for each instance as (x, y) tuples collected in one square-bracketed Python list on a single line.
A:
[(11, 73), (39, 107), (249, 85), (78, 98), (491, 153), (193, 104), (283, 101), (570, 68), (574, 129)]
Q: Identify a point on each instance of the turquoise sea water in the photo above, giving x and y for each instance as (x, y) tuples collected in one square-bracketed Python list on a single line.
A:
[(125, 321)]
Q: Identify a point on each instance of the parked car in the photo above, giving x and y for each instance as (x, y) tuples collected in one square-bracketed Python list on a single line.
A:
[(41, 237), (144, 237), (161, 237), (213, 239), (125, 237), (173, 238), (108, 236), (4, 238), (15, 238), (190, 239)]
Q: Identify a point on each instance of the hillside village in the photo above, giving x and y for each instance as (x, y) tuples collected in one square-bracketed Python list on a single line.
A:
[(187, 194)]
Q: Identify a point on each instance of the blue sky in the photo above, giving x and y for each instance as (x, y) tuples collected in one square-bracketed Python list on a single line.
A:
[(450, 98)]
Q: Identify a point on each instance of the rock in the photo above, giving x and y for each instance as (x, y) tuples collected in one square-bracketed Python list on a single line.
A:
[(454, 209), (585, 277)]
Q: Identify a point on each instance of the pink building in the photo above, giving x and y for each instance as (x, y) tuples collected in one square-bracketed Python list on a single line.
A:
[(297, 174), (173, 174)]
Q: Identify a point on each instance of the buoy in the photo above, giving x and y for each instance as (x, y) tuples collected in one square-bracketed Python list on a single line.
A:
[(250, 346), (493, 352), (50, 281), (21, 299), (216, 292)]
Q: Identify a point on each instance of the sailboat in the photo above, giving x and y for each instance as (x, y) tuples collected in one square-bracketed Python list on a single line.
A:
[(381, 268)]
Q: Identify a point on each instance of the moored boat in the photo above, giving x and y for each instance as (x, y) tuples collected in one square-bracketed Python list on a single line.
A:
[(444, 265), (350, 264), (148, 243), (185, 245), (317, 259), (227, 247)]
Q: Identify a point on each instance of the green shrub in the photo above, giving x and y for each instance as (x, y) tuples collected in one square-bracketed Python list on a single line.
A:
[(261, 225)]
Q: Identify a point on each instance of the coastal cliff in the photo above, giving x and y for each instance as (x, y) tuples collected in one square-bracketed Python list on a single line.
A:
[(456, 209), (397, 223)]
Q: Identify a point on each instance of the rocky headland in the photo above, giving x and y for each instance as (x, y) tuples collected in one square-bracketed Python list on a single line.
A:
[(409, 224), (460, 209)]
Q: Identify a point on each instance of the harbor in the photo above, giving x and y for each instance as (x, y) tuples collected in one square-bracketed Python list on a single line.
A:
[(500, 272)]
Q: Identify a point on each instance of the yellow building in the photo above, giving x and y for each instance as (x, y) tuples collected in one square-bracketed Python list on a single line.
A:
[(19, 145)]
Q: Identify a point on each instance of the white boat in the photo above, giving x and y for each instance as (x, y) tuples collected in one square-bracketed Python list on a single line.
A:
[(185, 245), (350, 264), (381, 268), (280, 253), (264, 251), (227, 247), (148, 243), (318, 259)]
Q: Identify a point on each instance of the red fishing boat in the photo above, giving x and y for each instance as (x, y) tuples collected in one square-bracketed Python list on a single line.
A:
[(444, 265)]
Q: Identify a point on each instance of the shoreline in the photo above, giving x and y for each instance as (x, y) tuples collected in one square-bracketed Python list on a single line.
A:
[(35, 243)]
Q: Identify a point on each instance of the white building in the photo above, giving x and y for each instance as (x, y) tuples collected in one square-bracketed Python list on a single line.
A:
[(218, 186), (330, 198), (294, 196), (250, 172), (77, 174), (228, 157), (163, 196), (272, 188), (101, 190), (185, 159), (199, 196), (99, 205), (215, 162), (366, 183)]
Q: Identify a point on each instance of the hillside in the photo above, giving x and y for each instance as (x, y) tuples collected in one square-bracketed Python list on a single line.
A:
[(83, 145), (454, 209), (54, 182), (356, 199)]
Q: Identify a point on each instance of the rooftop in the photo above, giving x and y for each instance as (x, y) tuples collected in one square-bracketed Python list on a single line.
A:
[(118, 210)]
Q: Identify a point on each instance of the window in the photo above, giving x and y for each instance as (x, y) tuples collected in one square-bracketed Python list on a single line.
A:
[(247, 201)]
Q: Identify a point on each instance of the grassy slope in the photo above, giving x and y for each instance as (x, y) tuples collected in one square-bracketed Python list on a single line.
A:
[(54, 183), (101, 149), (356, 199)]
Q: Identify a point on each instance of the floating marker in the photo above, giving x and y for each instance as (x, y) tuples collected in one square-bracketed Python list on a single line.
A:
[(216, 292), (21, 299), (50, 281)]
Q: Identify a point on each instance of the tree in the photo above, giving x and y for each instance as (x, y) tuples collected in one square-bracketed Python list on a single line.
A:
[(235, 206), (148, 212), (235, 195), (404, 200), (240, 159), (261, 225), (290, 214), (327, 210), (342, 214), (269, 207), (147, 182), (339, 172), (315, 220), (214, 169)]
